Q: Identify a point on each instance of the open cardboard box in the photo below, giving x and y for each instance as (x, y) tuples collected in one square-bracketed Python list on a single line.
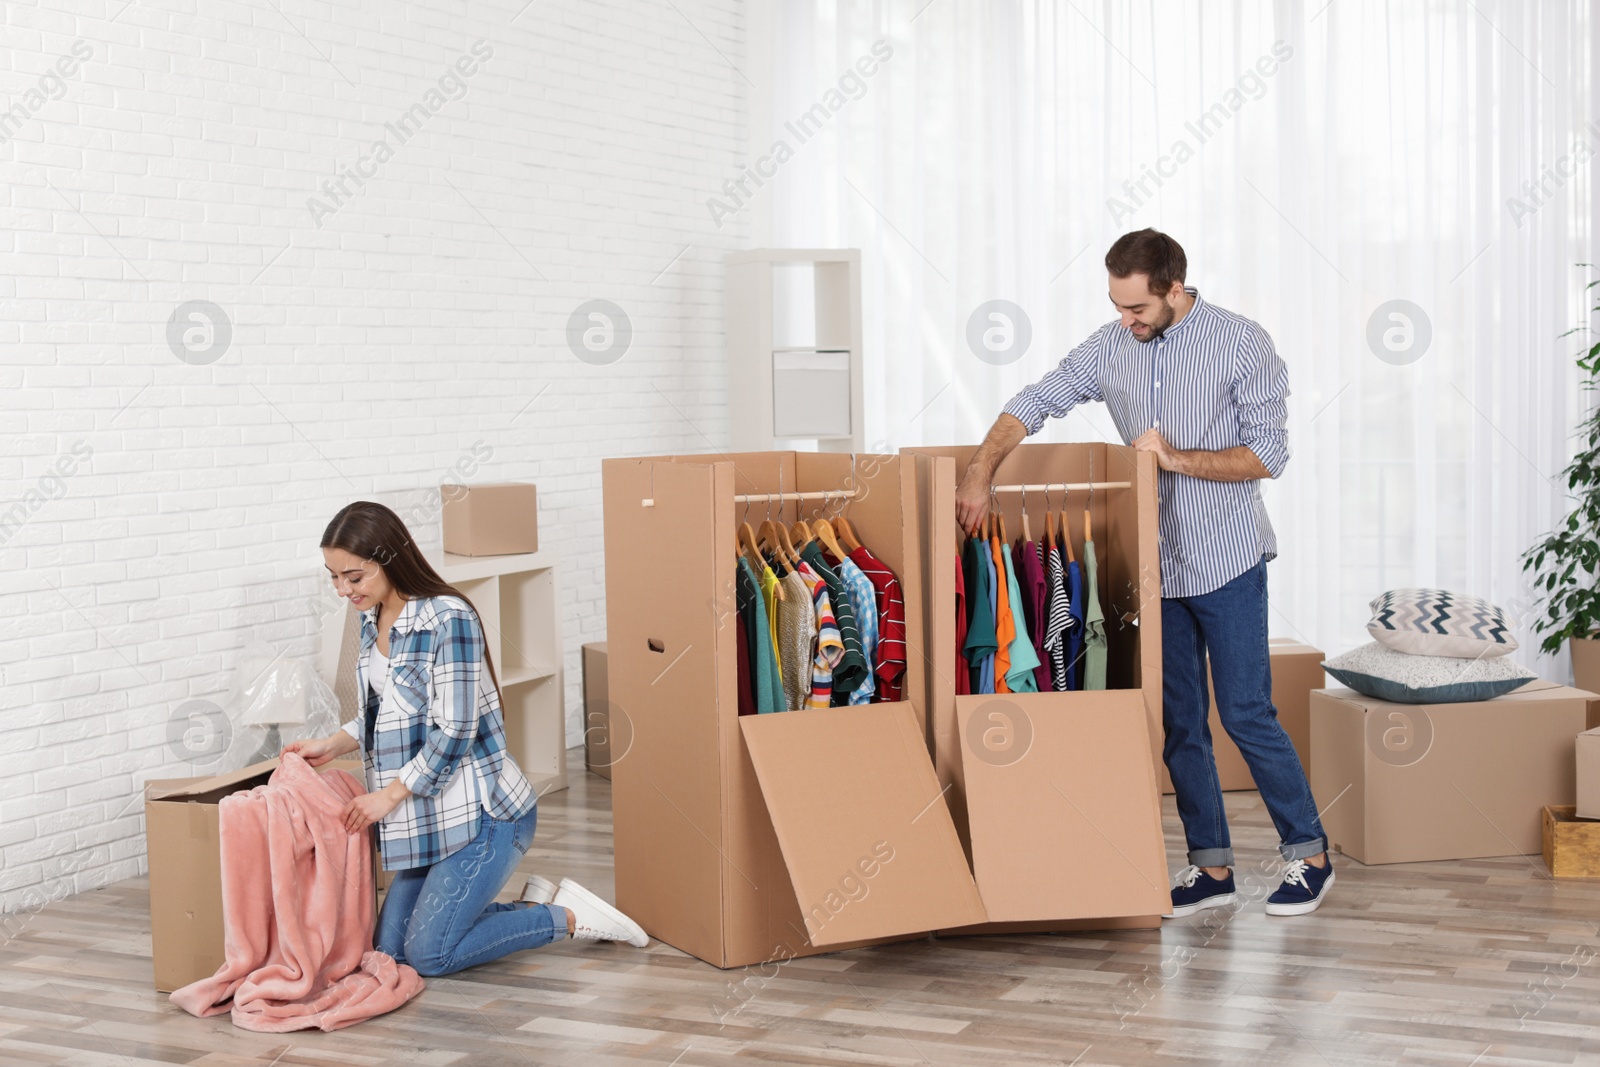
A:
[(1399, 783), (744, 840), (181, 833), (1055, 795)]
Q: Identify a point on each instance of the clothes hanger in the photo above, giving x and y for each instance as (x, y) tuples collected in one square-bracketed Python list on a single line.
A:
[(1049, 518), (842, 524), (1066, 534), (1088, 528), (1027, 534), (824, 531), (747, 541), (999, 517), (769, 529)]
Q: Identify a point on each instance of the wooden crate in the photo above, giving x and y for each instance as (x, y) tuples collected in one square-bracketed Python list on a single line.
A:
[(1571, 844)]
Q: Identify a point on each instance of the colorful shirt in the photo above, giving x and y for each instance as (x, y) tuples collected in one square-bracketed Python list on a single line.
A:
[(852, 666), (890, 663), (1019, 676), (980, 643), (830, 646), (797, 630), (1094, 625)]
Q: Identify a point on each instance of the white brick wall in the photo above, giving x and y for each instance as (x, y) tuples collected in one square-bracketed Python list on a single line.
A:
[(368, 353)]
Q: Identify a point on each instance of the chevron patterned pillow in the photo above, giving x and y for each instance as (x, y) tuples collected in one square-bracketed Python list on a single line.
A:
[(1434, 622)]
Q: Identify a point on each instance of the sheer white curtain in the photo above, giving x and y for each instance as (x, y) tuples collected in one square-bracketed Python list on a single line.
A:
[(1315, 160)]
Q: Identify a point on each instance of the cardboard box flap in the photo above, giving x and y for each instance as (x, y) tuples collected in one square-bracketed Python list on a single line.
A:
[(170, 788), (862, 824)]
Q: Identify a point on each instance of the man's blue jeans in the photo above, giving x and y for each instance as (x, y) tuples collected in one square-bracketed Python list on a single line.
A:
[(443, 918), (1230, 623)]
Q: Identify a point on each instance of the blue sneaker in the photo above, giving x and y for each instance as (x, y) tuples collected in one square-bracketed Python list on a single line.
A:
[(1196, 891), (1303, 888)]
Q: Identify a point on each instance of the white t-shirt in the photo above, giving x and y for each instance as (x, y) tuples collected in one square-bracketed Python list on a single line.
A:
[(377, 670)]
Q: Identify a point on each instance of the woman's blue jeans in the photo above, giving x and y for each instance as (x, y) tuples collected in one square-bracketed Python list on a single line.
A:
[(1231, 624), (443, 918)]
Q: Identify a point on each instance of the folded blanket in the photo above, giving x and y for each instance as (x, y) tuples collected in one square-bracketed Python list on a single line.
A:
[(297, 906)]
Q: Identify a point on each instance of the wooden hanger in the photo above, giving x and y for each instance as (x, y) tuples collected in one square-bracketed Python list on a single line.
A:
[(847, 534), (1088, 530), (824, 532), (802, 532), (770, 537), (1049, 520), (1027, 534)]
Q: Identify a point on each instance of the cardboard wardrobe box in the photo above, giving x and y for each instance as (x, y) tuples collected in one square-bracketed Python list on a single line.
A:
[(181, 832), (742, 840), (490, 520), (1055, 795), (1296, 671), (596, 710), (1399, 783), (1587, 748)]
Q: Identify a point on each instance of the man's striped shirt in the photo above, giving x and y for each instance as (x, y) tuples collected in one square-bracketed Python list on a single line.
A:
[(1212, 381)]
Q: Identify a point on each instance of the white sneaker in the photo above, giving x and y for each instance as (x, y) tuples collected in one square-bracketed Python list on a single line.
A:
[(595, 919), (538, 891)]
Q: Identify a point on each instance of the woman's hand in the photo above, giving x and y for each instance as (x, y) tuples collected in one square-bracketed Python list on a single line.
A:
[(319, 750), (369, 808)]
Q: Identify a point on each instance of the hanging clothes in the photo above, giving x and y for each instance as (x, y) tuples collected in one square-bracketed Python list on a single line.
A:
[(990, 660), (829, 646), (963, 671), (1023, 660), (1005, 626), (797, 633), (852, 666), (746, 687), (768, 687), (1035, 601), (1094, 625), (863, 599), (889, 664), (1060, 621), (1075, 633), (769, 600), (980, 643)]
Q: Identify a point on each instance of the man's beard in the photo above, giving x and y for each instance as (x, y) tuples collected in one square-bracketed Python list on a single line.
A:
[(1159, 327)]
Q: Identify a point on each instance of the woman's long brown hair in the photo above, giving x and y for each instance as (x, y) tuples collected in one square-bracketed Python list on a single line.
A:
[(372, 531)]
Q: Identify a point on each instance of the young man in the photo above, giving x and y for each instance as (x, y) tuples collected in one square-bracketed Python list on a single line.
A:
[(1204, 391)]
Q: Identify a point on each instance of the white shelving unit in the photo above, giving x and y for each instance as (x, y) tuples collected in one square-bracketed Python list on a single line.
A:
[(794, 349), (516, 599)]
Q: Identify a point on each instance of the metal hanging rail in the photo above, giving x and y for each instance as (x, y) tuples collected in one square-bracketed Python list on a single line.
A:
[(1052, 487)]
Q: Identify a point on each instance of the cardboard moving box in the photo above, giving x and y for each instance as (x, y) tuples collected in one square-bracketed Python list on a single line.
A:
[(182, 839), (743, 840), (596, 711), (1296, 671), (1400, 783), (490, 520), (1055, 795)]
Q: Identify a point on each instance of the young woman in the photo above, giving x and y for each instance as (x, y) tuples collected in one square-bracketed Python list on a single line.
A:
[(455, 814)]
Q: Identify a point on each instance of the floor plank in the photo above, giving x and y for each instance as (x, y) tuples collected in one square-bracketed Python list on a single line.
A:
[(1471, 964)]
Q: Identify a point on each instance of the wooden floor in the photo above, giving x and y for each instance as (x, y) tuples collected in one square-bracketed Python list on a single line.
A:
[(1476, 963)]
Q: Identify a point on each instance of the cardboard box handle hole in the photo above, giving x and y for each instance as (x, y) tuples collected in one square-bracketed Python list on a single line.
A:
[(656, 644)]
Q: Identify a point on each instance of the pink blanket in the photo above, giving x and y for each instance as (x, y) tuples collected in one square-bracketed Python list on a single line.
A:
[(297, 906)]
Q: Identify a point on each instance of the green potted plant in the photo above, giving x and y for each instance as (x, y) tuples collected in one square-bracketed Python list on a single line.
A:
[(1565, 564)]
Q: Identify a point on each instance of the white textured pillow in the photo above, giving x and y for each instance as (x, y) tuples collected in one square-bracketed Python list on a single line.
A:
[(1376, 671), (1433, 622)]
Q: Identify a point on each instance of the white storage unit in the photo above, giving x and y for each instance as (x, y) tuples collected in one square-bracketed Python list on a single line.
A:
[(516, 598), (794, 349)]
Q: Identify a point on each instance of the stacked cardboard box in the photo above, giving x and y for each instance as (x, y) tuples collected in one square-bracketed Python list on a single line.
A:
[(1588, 774), (1406, 782)]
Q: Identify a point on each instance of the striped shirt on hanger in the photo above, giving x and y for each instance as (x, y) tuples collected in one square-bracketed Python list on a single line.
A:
[(1212, 381)]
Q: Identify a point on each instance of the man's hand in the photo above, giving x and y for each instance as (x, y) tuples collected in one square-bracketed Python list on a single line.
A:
[(972, 499), (1168, 457), (369, 808)]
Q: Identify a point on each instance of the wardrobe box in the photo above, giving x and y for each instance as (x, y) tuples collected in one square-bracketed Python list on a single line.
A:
[(1296, 671), (186, 868), (596, 711), (1588, 771), (490, 520), (1398, 783), (742, 840), (1054, 795)]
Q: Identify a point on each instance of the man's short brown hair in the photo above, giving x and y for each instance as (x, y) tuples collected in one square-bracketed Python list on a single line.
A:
[(1151, 253)]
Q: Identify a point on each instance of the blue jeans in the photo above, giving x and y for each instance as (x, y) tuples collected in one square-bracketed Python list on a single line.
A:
[(443, 918), (1230, 623)]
